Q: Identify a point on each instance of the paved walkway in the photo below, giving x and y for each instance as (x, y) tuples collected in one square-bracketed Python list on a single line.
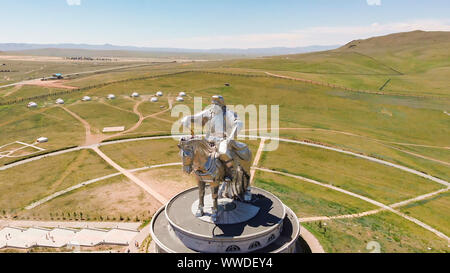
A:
[(69, 224), (64, 237), (312, 242)]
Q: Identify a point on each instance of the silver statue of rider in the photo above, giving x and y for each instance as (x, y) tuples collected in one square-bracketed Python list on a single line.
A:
[(222, 128)]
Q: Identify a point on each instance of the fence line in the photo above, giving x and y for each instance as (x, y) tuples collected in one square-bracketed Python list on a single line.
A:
[(206, 72)]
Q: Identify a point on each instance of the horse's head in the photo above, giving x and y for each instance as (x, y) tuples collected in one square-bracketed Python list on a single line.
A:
[(187, 155), (193, 149)]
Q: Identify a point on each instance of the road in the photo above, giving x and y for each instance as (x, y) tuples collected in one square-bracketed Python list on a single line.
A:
[(78, 73)]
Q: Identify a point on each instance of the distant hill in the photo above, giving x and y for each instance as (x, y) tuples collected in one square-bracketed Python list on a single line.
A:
[(416, 61), (398, 41), (408, 52), (107, 50)]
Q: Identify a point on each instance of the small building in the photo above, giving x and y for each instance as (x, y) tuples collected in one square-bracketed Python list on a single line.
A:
[(86, 98), (182, 94), (42, 140), (154, 99), (111, 96), (159, 94), (32, 105), (59, 101), (58, 76), (135, 95), (180, 99), (113, 129)]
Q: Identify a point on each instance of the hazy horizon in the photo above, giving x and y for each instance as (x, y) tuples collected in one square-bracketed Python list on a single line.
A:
[(215, 25)]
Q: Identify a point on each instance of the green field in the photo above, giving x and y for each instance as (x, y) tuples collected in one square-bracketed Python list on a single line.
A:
[(379, 182), (392, 233), (101, 115), (114, 199), (143, 153), (308, 200), (406, 123), (28, 183)]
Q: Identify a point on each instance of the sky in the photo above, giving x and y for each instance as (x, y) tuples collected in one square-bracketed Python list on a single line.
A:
[(206, 24)]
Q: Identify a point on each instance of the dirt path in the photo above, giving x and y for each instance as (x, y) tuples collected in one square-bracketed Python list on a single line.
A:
[(137, 125), (256, 161), (49, 84), (373, 159), (348, 134), (73, 166), (131, 176), (421, 156), (90, 138), (12, 91), (92, 181), (141, 117)]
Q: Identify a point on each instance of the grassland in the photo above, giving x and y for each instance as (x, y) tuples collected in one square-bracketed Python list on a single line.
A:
[(143, 153), (100, 115), (406, 125), (23, 69), (393, 233), (25, 184), (308, 200), (400, 154), (115, 199), (378, 182), (433, 211), (415, 63), (28, 125)]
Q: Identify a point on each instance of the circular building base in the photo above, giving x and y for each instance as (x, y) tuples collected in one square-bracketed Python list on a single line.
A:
[(271, 227)]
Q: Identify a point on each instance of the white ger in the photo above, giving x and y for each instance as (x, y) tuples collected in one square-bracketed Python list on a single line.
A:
[(154, 99), (59, 101), (32, 105), (111, 96), (135, 95), (159, 94), (86, 98), (42, 140)]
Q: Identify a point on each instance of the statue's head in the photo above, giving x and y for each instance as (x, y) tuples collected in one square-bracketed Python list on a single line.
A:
[(218, 100)]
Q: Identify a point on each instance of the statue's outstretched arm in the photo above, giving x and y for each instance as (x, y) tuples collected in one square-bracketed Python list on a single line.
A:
[(237, 127), (198, 119)]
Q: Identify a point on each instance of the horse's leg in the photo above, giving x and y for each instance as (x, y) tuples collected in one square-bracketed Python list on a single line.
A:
[(201, 198), (215, 196)]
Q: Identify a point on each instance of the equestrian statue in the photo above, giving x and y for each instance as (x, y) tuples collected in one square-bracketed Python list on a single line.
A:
[(218, 159)]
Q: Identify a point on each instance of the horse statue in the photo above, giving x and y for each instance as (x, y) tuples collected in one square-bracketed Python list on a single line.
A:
[(200, 156)]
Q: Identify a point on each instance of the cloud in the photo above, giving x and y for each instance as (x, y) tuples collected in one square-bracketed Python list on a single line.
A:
[(73, 2), (374, 2), (303, 37)]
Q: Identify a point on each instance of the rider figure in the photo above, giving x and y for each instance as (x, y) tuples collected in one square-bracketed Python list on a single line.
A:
[(223, 126)]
